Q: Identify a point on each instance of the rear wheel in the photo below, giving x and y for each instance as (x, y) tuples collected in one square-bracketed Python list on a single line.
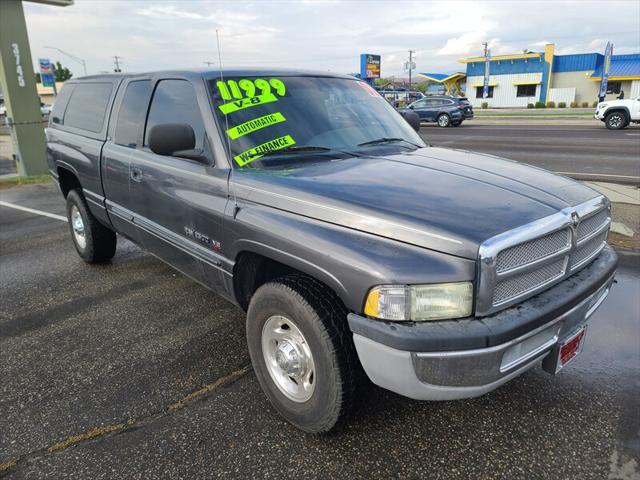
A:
[(443, 120), (302, 352), (94, 242), (616, 121)]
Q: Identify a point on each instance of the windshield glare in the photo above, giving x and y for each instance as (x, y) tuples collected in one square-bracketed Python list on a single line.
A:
[(268, 114)]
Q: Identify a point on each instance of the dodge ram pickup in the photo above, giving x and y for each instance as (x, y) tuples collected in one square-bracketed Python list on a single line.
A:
[(355, 249)]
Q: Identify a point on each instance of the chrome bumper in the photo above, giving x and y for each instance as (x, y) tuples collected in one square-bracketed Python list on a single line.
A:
[(469, 373)]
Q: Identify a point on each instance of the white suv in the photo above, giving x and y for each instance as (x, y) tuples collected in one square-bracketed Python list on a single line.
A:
[(618, 114)]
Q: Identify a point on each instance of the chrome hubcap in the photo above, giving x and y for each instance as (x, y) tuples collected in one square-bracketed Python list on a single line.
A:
[(442, 121), (288, 358), (615, 121), (78, 227)]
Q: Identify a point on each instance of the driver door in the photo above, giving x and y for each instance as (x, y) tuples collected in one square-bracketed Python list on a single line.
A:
[(181, 202)]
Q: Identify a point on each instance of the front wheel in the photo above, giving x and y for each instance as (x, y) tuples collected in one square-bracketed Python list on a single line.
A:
[(94, 242), (444, 120), (302, 352), (616, 121)]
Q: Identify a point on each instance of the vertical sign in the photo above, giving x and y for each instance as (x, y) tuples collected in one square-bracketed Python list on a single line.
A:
[(46, 72), (608, 51), (369, 67), (487, 63)]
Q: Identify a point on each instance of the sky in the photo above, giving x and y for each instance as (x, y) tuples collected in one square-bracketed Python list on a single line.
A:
[(321, 34)]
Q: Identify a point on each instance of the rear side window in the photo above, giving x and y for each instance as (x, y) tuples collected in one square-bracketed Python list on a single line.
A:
[(131, 113), (174, 101), (87, 107), (60, 103)]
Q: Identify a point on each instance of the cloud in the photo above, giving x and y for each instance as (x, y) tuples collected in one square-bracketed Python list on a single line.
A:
[(323, 35)]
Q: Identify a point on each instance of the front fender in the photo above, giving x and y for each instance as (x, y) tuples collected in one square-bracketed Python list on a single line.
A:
[(348, 261)]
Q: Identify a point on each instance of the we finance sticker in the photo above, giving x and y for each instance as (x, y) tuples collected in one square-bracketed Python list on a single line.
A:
[(255, 124), (259, 151)]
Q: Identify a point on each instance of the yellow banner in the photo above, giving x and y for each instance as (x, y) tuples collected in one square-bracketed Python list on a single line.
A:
[(255, 124), (258, 151), (243, 103)]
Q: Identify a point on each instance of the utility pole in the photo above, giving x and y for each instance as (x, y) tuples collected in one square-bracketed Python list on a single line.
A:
[(411, 52), (116, 61)]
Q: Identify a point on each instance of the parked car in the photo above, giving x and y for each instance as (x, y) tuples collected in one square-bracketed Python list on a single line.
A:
[(354, 248), (401, 98), (445, 110), (45, 109), (618, 114)]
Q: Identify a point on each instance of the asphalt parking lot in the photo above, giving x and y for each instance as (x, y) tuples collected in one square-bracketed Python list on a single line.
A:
[(130, 370), (586, 150)]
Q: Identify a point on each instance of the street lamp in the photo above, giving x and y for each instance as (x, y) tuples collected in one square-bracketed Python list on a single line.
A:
[(72, 57)]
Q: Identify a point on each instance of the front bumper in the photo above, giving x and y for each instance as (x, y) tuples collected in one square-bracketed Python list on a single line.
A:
[(465, 358)]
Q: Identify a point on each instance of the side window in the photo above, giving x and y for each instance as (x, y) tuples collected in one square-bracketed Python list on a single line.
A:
[(87, 107), (480, 89), (131, 113), (420, 104), (60, 103), (174, 101)]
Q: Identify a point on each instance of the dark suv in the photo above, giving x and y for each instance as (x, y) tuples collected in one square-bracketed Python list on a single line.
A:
[(445, 110)]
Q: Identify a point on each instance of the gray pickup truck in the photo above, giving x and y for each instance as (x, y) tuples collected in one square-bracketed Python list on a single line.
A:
[(355, 249)]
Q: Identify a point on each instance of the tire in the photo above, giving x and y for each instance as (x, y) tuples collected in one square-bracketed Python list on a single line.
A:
[(94, 242), (616, 121), (443, 120), (324, 390)]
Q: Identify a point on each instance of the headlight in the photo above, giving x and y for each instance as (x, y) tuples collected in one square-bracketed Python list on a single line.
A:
[(420, 302), (601, 106)]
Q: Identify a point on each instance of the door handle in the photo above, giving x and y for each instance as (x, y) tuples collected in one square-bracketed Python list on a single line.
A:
[(136, 174)]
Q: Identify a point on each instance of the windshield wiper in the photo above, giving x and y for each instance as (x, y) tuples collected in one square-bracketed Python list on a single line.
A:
[(380, 141), (293, 149), (297, 149)]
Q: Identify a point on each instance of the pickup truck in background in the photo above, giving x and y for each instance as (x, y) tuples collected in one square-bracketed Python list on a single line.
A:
[(618, 114), (355, 249)]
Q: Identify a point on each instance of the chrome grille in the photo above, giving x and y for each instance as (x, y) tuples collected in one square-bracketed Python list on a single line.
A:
[(533, 250), (588, 250), (518, 285), (591, 224), (522, 262)]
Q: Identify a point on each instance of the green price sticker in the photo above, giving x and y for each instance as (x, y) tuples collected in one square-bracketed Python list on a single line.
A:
[(258, 151), (243, 103), (255, 124)]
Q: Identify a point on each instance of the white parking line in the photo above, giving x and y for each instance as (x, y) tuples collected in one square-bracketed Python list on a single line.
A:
[(31, 210)]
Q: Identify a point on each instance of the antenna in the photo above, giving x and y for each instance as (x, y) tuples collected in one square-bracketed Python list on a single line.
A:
[(116, 61), (226, 117)]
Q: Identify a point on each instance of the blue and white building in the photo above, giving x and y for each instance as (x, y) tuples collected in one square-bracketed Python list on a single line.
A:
[(519, 79)]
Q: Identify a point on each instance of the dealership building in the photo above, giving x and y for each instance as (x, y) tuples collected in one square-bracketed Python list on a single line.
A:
[(519, 79)]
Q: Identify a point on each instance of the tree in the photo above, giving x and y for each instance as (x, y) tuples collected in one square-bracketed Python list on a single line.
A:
[(62, 73)]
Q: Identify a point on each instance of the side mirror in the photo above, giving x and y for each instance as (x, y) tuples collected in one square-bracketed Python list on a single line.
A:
[(412, 119), (170, 138), (411, 107)]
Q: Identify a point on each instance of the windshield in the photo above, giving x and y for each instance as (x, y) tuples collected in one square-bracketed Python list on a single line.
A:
[(302, 118)]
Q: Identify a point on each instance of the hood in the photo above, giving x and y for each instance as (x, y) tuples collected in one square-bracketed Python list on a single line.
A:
[(441, 199)]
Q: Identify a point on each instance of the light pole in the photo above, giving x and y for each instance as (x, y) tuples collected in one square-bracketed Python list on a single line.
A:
[(72, 57)]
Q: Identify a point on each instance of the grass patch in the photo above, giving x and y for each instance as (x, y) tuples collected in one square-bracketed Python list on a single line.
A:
[(8, 182)]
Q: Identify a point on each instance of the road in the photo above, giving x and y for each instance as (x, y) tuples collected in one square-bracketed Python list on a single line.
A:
[(130, 370), (585, 152)]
